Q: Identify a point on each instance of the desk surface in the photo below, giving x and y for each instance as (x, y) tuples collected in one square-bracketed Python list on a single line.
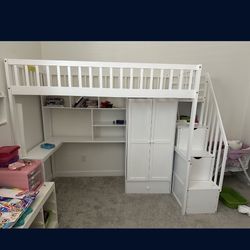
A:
[(42, 196)]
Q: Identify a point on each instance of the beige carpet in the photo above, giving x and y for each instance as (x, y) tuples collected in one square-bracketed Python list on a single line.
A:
[(100, 202)]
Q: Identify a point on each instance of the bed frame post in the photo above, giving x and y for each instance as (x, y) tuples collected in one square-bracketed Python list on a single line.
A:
[(191, 132), (11, 103)]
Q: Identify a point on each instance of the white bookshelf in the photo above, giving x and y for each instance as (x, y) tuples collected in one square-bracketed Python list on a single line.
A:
[(84, 124)]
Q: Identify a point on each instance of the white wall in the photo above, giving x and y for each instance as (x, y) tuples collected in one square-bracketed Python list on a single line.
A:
[(246, 131), (227, 62), (20, 50)]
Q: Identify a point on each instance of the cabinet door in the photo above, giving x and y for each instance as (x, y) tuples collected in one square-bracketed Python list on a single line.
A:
[(138, 148), (162, 139)]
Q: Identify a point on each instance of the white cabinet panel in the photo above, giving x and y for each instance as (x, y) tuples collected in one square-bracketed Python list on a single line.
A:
[(151, 132), (139, 120), (164, 119), (138, 161), (161, 157)]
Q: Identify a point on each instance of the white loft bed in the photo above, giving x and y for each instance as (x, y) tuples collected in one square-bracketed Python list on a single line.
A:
[(125, 80)]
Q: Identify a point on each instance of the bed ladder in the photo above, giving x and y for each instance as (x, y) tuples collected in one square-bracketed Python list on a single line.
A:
[(198, 179)]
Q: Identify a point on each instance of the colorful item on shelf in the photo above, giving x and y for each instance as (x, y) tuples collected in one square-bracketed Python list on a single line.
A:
[(106, 104), (8, 155), (16, 165), (11, 209), (83, 102), (21, 220), (119, 122), (54, 101), (47, 145)]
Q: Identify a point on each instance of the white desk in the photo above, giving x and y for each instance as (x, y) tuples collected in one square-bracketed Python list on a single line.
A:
[(45, 200)]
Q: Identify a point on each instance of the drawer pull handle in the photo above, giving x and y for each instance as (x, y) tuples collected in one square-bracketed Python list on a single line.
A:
[(197, 158)]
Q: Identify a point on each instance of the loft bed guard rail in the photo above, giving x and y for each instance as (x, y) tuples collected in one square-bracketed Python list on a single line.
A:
[(80, 78)]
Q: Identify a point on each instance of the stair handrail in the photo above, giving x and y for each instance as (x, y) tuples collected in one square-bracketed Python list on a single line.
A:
[(222, 148)]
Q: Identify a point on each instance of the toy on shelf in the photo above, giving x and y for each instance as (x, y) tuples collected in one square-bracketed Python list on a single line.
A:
[(47, 145), (83, 102), (106, 104), (54, 101), (119, 122)]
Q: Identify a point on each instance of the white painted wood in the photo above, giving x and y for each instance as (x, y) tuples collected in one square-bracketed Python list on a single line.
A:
[(181, 79), (161, 78), (202, 201), (190, 79), (3, 110), (100, 78), (147, 187), (199, 136), (141, 78), (125, 93), (27, 79), (215, 141), (203, 105), (131, 78), (201, 168), (46, 197), (20, 123), (140, 111), (151, 79), (37, 76), (190, 137), (138, 161), (212, 133), (16, 76), (48, 75), (121, 78), (90, 78), (111, 78), (171, 79), (139, 129), (151, 130), (162, 139), (218, 157), (58, 76), (80, 76), (12, 106), (161, 159), (69, 76), (102, 64)]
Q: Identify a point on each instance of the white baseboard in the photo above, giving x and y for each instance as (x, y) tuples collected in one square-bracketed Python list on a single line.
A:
[(89, 173)]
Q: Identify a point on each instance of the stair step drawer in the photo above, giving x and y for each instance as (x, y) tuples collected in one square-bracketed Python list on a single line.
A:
[(202, 201), (198, 142), (201, 168)]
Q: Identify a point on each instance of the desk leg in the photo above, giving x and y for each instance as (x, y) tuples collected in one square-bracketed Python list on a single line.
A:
[(43, 171), (53, 166)]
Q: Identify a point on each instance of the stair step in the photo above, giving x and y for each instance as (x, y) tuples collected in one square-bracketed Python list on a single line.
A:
[(202, 185), (199, 136), (194, 153)]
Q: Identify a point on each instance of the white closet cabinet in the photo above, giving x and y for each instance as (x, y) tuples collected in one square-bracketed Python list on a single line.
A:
[(150, 145)]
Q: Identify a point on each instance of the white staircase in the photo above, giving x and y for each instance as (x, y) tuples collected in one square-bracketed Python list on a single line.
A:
[(197, 180)]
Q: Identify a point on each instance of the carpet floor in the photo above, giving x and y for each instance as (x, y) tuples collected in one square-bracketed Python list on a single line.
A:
[(100, 202)]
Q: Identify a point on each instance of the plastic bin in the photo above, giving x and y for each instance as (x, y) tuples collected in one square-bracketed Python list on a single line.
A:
[(231, 198)]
